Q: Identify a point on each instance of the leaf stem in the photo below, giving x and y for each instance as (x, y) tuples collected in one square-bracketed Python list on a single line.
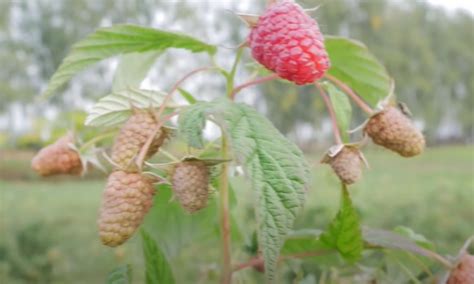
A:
[(346, 89), (176, 86), (251, 83), (332, 114), (94, 140), (226, 277), (142, 154)]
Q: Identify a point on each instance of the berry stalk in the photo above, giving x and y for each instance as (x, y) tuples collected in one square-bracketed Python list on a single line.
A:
[(332, 114), (346, 89), (251, 83)]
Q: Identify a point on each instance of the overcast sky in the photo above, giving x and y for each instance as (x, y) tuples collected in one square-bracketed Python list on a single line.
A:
[(467, 5)]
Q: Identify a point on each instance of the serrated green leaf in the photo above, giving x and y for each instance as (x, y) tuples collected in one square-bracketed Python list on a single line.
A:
[(158, 270), (119, 39), (276, 167), (342, 108), (187, 96), (116, 107), (344, 232), (353, 64), (192, 121), (120, 275), (132, 69)]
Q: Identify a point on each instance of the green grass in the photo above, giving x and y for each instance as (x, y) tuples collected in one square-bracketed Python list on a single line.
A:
[(433, 194)]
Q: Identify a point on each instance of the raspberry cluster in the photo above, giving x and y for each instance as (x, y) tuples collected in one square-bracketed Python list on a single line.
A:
[(190, 181), (128, 195), (393, 130), (133, 135), (288, 41), (347, 164), (126, 199), (58, 158), (463, 273)]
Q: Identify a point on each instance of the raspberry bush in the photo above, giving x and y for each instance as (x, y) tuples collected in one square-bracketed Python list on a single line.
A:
[(196, 179)]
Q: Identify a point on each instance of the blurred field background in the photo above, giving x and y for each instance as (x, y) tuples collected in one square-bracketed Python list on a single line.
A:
[(48, 226)]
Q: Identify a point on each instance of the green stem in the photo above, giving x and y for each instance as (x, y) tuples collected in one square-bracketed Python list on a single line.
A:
[(231, 76), (226, 277), (95, 140)]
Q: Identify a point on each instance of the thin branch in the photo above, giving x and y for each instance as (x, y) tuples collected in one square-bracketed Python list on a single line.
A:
[(332, 114), (176, 86), (143, 151), (346, 89), (251, 83)]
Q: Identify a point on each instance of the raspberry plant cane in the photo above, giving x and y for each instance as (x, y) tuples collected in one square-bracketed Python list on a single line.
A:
[(288, 43)]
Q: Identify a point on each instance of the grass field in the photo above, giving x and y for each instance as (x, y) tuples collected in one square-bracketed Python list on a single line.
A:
[(433, 194)]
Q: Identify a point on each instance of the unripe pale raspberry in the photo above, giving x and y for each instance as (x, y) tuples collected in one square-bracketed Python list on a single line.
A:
[(126, 200), (463, 273), (190, 181), (393, 130), (288, 41), (347, 164), (58, 158), (133, 135)]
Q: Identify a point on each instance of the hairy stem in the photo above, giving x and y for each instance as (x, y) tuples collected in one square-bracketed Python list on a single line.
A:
[(346, 89), (176, 86), (335, 128), (226, 277), (251, 83)]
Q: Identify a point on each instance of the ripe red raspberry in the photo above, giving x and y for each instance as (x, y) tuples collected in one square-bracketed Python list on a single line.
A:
[(287, 41), (126, 200), (58, 158), (393, 130), (347, 164), (133, 135), (463, 273), (190, 181)]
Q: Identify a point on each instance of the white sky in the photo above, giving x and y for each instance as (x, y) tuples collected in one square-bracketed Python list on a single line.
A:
[(467, 5)]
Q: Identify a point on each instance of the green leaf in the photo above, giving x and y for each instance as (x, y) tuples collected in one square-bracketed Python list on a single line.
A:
[(353, 64), (120, 275), (417, 238), (303, 241), (391, 240), (175, 229), (132, 69), (119, 39), (275, 166), (342, 108), (344, 232), (191, 123), (158, 270), (115, 108)]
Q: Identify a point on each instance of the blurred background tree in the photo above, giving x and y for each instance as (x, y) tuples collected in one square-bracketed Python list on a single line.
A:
[(427, 50)]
